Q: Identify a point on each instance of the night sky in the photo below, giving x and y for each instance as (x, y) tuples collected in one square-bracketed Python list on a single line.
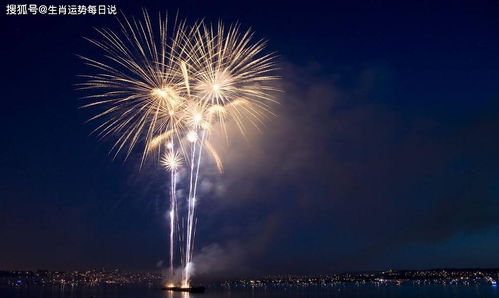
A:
[(383, 154)]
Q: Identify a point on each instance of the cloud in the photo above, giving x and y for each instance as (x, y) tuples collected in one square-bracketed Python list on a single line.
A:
[(340, 178)]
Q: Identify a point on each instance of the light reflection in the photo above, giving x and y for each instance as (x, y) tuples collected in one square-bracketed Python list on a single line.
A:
[(172, 294)]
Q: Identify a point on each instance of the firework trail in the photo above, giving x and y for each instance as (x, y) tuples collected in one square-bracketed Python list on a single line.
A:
[(171, 161), (170, 91)]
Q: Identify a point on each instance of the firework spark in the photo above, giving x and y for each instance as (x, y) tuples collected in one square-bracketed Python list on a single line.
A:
[(172, 160)]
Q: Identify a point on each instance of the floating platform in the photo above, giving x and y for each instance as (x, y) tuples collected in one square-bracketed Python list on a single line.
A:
[(189, 289)]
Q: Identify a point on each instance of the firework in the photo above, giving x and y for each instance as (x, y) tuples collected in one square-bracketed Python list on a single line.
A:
[(230, 75), (140, 87), (228, 78), (169, 91), (138, 84)]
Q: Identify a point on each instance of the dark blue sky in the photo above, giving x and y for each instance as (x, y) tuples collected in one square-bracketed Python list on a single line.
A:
[(383, 154)]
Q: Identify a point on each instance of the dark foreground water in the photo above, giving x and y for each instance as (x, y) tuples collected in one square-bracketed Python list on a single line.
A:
[(364, 291)]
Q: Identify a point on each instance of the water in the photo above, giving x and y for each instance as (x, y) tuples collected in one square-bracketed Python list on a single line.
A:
[(346, 291)]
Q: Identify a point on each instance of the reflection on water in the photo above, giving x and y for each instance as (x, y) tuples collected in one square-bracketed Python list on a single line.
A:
[(171, 294), (344, 291)]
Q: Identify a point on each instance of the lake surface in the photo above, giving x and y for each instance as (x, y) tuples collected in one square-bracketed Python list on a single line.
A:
[(347, 291)]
